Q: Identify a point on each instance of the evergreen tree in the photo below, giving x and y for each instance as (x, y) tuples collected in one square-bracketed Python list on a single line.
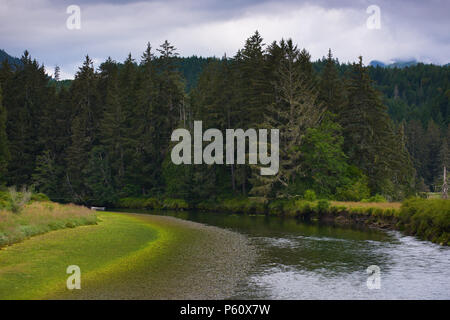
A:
[(56, 74), (171, 101), (368, 131), (4, 153), (432, 148), (98, 180), (415, 144), (28, 94), (114, 130), (253, 87), (306, 68), (331, 89), (47, 177), (84, 128), (145, 161)]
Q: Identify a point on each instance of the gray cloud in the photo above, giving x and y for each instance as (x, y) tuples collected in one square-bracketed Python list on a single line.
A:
[(409, 29)]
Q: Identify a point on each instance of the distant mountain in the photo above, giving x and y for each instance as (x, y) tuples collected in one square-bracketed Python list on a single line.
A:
[(395, 64), (11, 60), (376, 63), (403, 64)]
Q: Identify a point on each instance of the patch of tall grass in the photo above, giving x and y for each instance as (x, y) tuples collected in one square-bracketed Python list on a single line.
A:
[(41, 217), (17, 200), (428, 219)]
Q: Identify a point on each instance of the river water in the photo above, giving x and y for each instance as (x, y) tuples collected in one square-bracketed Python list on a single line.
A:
[(298, 260)]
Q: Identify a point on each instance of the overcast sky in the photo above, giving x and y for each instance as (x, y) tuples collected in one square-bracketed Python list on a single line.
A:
[(408, 29)]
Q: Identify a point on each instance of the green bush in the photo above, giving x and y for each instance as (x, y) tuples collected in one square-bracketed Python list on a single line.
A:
[(153, 203), (175, 204), (139, 203), (323, 205), (207, 205), (277, 206), (354, 192), (131, 203), (39, 197), (249, 205), (304, 207), (4, 200), (255, 206), (310, 195), (375, 198)]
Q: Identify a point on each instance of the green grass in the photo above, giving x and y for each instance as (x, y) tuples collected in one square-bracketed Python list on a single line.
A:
[(37, 267), (124, 256)]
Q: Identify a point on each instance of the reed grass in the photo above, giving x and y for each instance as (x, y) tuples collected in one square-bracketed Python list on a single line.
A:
[(41, 217)]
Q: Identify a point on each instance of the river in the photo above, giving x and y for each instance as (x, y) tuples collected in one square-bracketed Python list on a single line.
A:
[(298, 260)]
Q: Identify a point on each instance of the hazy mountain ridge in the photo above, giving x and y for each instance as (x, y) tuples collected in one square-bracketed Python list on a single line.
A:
[(396, 64), (400, 64), (11, 60)]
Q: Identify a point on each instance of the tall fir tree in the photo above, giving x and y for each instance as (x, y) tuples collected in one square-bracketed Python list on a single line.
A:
[(84, 128), (331, 88), (368, 131), (145, 170), (433, 142), (4, 153), (28, 94), (114, 132)]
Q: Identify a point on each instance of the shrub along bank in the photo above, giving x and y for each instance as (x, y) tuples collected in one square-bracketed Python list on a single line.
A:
[(153, 204)]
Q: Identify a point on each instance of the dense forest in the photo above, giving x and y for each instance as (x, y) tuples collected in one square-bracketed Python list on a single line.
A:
[(347, 131)]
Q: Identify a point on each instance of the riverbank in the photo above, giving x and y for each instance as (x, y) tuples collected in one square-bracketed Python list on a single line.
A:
[(428, 219), (128, 256)]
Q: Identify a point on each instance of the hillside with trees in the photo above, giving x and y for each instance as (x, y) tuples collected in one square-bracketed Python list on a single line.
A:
[(347, 131)]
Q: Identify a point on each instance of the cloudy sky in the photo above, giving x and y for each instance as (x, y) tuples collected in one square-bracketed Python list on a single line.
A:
[(409, 29)]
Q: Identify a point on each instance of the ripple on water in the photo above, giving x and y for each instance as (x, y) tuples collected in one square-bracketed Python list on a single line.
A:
[(328, 268)]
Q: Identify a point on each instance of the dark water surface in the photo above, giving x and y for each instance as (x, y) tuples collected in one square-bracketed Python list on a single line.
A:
[(297, 260)]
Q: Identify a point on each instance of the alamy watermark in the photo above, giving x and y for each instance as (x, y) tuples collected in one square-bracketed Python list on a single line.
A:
[(74, 280), (213, 152), (374, 279), (73, 22), (374, 20)]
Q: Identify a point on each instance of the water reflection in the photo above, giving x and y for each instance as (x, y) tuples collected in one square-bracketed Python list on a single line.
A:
[(315, 261)]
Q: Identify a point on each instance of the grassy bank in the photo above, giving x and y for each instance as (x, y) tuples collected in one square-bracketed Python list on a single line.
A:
[(36, 268), (126, 256), (428, 219), (38, 217)]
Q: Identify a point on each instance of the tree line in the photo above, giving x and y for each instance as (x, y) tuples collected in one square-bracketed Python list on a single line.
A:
[(106, 134)]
